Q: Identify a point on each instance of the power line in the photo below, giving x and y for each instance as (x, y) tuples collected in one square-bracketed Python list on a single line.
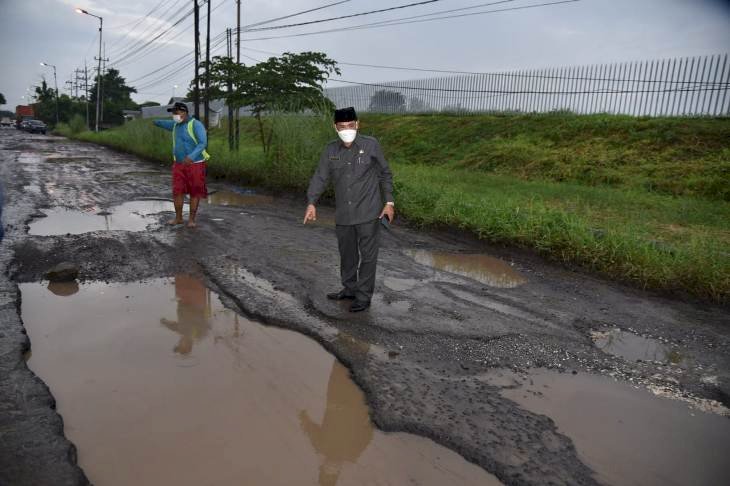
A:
[(390, 23), (156, 23), (263, 22), (359, 14)]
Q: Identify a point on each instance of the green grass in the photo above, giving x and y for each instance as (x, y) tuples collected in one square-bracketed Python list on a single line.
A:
[(634, 226)]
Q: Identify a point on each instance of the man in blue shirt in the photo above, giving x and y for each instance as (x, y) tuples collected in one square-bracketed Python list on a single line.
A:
[(189, 167)]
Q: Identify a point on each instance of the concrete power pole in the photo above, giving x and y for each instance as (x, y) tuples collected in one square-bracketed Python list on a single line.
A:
[(238, 61), (196, 95), (229, 45), (207, 71)]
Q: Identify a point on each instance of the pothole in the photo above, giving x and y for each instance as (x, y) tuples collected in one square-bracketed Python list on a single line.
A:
[(627, 435), (159, 383), (632, 347), (482, 268), (129, 216), (239, 199)]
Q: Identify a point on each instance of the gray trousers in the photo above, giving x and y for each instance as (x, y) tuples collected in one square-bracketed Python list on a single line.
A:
[(358, 246)]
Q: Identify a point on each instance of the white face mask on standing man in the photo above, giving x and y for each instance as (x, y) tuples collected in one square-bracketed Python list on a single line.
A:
[(347, 131), (177, 118)]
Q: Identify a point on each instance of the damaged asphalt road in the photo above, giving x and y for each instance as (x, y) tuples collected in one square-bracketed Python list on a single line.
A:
[(433, 337)]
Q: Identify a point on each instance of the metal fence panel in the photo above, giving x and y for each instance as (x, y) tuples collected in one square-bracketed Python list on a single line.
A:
[(696, 86)]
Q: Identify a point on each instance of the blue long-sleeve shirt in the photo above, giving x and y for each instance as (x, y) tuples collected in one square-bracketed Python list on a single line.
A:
[(185, 146)]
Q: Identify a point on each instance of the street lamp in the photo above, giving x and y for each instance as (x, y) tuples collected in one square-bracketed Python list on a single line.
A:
[(98, 77), (55, 83), (173, 91)]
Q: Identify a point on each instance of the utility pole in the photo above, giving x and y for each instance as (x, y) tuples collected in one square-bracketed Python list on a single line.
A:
[(207, 71), (229, 44), (100, 90), (86, 91), (196, 96), (238, 61), (98, 78)]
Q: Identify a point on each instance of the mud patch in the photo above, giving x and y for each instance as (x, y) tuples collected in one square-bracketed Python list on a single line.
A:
[(130, 216), (482, 268), (239, 199), (628, 436), (159, 383), (632, 347)]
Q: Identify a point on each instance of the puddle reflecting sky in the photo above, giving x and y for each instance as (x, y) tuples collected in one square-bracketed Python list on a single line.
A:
[(628, 436), (158, 383), (482, 268), (130, 216)]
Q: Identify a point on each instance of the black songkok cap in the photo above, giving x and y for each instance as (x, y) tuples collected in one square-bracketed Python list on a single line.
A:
[(345, 115)]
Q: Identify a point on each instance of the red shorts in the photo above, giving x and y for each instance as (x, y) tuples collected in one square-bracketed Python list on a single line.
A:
[(189, 179)]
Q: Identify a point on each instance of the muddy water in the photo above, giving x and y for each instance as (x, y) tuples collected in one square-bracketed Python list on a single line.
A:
[(237, 199), (130, 216), (632, 347), (628, 436), (482, 268), (158, 383)]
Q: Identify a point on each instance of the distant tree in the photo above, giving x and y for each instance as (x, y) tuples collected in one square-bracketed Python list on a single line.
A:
[(148, 103), (116, 96), (292, 83), (417, 105), (385, 101), (2, 99)]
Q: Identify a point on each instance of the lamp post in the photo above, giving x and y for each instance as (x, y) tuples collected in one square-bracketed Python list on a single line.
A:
[(173, 91), (55, 84), (98, 77)]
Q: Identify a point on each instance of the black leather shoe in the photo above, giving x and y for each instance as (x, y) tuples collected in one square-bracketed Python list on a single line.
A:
[(341, 295), (359, 306)]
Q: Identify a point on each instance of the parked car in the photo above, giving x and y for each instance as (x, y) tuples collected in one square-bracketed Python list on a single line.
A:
[(36, 126), (6, 122)]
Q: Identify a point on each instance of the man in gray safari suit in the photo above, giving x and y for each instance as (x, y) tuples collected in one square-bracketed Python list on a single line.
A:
[(363, 197)]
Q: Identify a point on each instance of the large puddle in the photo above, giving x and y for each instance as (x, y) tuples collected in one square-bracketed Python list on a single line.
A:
[(130, 216), (482, 268), (158, 383), (627, 435)]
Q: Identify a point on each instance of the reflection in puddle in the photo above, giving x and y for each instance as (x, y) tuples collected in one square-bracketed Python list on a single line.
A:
[(158, 383), (488, 270), (63, 289), (627, 436), (130, 216), (632, 347), (230, 198)]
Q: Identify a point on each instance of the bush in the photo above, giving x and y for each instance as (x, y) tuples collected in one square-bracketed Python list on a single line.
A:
[(77, 124)]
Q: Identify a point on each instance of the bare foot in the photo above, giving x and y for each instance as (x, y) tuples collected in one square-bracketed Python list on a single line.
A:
[(173, 222), (191, 224)]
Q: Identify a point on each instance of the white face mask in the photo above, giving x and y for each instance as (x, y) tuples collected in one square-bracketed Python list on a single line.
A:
[(347, 136), (177, 118)]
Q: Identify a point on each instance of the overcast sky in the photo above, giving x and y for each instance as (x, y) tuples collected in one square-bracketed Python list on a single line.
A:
[(584, 32)]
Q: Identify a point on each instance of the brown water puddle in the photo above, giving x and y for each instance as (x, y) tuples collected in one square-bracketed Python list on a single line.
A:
[(230, 198), (632, 347), (158, 383), (628, 436), (482, 268), (130, 216)]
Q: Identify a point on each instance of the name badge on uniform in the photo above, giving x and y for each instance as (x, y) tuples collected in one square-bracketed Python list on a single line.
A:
[(334, 157)]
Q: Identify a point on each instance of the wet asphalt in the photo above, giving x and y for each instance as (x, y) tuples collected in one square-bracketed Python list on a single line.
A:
[(430, 338)]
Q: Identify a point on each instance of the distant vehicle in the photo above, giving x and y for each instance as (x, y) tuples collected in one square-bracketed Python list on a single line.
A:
[(6, 122), (36, 126)]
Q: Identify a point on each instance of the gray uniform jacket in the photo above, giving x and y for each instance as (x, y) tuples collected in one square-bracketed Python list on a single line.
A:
[(362, 178)]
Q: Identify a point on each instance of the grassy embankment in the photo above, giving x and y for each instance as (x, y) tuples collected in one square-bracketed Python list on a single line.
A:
[(641, 200)]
